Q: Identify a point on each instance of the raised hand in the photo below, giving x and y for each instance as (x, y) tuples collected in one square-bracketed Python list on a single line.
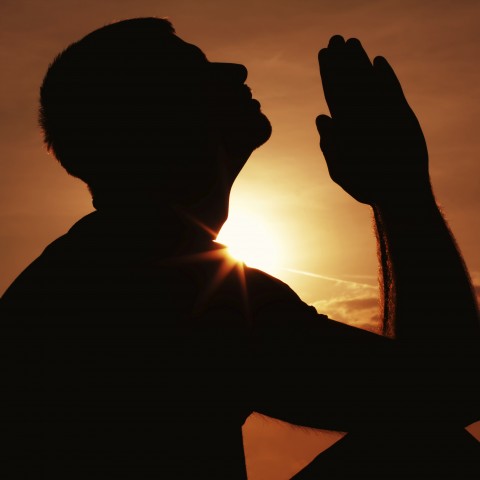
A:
[(373, 144)]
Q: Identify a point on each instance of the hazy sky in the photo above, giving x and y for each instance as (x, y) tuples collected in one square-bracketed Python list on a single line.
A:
[(324, 239)]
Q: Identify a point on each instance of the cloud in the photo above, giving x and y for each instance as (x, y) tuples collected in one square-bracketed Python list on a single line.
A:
[(356, 303), (348, 283), (359, 309), (361, 303)]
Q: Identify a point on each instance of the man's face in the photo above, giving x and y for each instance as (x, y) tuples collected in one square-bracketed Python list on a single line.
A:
[(238, 115), (234, 117)]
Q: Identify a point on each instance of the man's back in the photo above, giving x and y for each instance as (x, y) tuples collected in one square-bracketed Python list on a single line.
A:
[(127, 357)]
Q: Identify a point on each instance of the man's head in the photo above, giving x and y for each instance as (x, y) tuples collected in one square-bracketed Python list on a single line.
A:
[(132, 109)]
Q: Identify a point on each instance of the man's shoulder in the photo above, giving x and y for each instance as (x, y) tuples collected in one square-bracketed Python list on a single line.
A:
[(35, 274), (264, 282), (55, 257), (268, 293)]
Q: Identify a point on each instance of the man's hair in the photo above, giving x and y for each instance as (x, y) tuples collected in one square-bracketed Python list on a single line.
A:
[(119, 95)]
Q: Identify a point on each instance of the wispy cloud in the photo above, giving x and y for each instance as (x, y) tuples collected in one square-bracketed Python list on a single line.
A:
[(356, 305), (332, 279), (359, 311)]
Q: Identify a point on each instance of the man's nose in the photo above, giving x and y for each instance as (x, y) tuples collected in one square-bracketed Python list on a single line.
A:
[(231, 71)]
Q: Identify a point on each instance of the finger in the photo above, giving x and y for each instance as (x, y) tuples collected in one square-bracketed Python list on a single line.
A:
[(325, 129), (328, 58), (330, 62), (326, 77), (387, 79), (347, 77), (336, 42), (359, 77), (357, 55), (324, 123)]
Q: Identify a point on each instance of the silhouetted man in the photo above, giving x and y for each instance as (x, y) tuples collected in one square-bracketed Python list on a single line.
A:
[(134, 347)]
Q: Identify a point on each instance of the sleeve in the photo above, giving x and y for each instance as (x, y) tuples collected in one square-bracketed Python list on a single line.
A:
[(317, 372)]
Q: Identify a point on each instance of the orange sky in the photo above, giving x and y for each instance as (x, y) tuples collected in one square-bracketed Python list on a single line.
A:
[(433, 46)]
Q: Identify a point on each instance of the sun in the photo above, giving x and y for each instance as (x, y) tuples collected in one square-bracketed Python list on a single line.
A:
[(249, 240)]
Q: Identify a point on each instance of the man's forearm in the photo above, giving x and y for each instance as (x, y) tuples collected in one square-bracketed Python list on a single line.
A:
[(429, 292), (430, 309), (375, 150)]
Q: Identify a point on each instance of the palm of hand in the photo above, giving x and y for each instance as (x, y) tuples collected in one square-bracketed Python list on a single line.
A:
[(373, 144)]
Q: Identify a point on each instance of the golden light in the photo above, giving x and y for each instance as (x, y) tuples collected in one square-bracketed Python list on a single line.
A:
[(249, 240)]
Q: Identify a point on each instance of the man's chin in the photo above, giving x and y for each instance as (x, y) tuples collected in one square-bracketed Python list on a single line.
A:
[(241, 138), (258, 131), (267, 129)]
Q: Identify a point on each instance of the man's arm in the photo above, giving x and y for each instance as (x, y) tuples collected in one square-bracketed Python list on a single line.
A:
[(375, 150)]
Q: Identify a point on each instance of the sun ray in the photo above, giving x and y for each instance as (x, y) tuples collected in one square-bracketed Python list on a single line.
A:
[(226, 265), (244, 290), (249, 240)]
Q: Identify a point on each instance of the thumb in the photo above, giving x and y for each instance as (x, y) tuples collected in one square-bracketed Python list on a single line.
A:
[(324, 125), (325, 129), (328, 143)]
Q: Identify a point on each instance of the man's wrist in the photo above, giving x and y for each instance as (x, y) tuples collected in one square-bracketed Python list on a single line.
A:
[(405, 201)]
